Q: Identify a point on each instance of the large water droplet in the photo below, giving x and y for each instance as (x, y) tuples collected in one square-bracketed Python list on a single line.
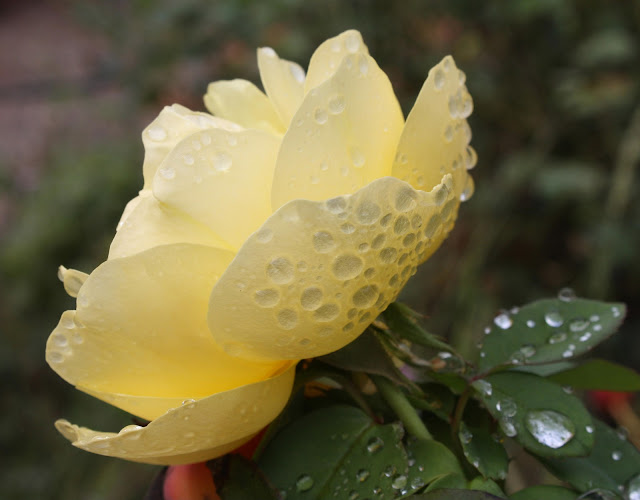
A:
[(347, 266), (503, 321), (336, 104), (633, 488), (375, 444), (484, 387), (438, 79), (554, 319), (368, 212), (549, 427), (222, 162), (280, 271), (557, 337), (266, 298), (578, 324), (566, 295), (365, 296), (311, 298), (507, 407), (507, 426), (399, 482), (320, 116), (323, 242), (326, 313), (288, 319), (304, 482)]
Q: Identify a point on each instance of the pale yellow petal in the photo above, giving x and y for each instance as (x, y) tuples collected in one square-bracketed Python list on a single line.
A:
[(221, 178), (133, 203), (152, 224), (327, 57), (173, 124), (317, 273), (283, 82), (140, 329), (343, 136), (435, 138), (72, 280), (193, 432), (241, 102)]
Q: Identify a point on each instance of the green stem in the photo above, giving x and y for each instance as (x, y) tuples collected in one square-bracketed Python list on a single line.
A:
[(459, 411), (399, 403)]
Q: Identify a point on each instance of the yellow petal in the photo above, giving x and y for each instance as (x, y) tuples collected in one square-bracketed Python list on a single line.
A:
[(152, 224), (221, 178), (327, 57), (243, 103), (317, 273), (435, 138), (72, 280), (141, 329), (343, 136), (193, 432), (173, 124), (283, 82)]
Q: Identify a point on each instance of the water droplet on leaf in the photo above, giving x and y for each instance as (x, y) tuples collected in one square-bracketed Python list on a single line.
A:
[(549, 427)]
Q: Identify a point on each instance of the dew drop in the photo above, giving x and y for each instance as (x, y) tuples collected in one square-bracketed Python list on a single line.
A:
[(327, 312), (375, 444), (528, 350), (347, 228), (352, 43), (557, 337), (336, 104), (531, 323), (465, 435), (346, 267), (549, 427), (506, 424), (264, 235), (589, 429), (167, 173), (288, 319), (470, 158), (399, 482), (633, 488), (468, 189), (55, 357), (362, 475), (336, 205), (405, 199), (401, 225), (311, 298), (59, 339), (553, 319), (448, 133), (503, 321), (365, 297), (304, 483), (280, 271), (438, 79), (578, 325), (222, 162), (484, 387), (388, 255), (507, 407), (368, 213), (566, 295), (267, 298), (157, 133), (323, 242)]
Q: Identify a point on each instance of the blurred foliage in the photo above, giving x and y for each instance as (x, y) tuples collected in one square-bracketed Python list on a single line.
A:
[(556, 86)]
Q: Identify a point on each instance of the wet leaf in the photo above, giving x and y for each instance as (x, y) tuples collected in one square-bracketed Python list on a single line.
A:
[(483, 451), (237, 478), (340, 450), (548, 330), (365, 354), (613, 463), (455, 494), (545, 491), (601, 375), (539, 414), (481, 484)]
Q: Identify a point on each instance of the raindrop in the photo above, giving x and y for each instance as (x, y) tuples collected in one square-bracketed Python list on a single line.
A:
[(304, 482), (399, 482), (320, 116), (531, 323), (438, 79), (470, 158), (280, 271), (375, 444), (368, 212), (347, 266), (503, 321), (465, 435), (336, 104), (264, 235), (616, 455), (484, 387), (357, 158), (557, 338), (507, 407), (589, 429), (584, 337), (311, 298), (266, 298), (633, 488), (326, 313), (157, 133), (347, 228), (354, 495), (323, 242), (288, 319), (448, 133), (566, 295), (336, 205), (549, 427), (528, 350), (578, 324), (506, 424), (222, 162), (365, 296), (167, 173), (553, 319)]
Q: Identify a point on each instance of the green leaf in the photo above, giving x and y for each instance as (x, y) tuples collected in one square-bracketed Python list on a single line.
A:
[(598, 374), (365, 354), (455, 494), (548, 330), (429, 460), (483, 452), (237, 478), (545, 491), (448, 481), (481, 484), (437, 399), (614, 462), (402, 320), (340, 450), (539, 414)]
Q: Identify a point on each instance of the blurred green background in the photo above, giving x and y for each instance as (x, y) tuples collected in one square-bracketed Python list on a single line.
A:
[(556, 86)]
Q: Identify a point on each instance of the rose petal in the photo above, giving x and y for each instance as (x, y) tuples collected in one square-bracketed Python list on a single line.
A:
[(195, 431), (72, 280), (327, 57), (435, 138), (141, 329), (221, 179), (241, 102), (283, 82), (318, 273), (343, 136), (173, 124), (152, 224)]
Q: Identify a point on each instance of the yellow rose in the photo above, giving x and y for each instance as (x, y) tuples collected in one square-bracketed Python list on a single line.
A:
[(274, 230)]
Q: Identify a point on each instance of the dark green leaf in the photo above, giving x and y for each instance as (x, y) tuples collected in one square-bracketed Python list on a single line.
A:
[(598, 374), (437, 399), (337, 449), (614, 462), (237, 478), (365, 354), (448, 481), (481, 484), (455, 494), (429, 460), (548, 330), (539, 414), (402, 320), (546, 492), (483, 452)]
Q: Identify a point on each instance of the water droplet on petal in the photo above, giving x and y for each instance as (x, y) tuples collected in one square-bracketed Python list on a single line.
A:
[(438, 79), (267, 298), (323, 242), (503, 321), (336, 104), (157, 133), (222, 162), (347, 266), (549, 427), (280, 271)]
